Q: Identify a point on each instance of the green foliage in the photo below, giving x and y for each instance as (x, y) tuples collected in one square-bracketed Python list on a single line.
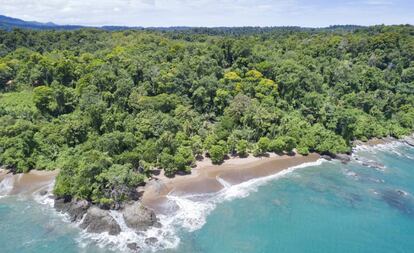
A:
[(262, 146), (241, 148), (217, 153), (303, 150), (18, 105), (108, 107), (43, 98), (277, 145), (117, 182)]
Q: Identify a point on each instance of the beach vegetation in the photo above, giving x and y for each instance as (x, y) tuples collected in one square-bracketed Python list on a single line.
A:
[(107, 108)]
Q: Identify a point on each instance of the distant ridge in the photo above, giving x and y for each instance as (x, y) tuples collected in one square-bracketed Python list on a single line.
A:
[(10, 23)]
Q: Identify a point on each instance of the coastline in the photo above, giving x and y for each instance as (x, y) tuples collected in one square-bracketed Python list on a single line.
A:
[(205, 177), (208, 178), (25, 183), (185, 200)]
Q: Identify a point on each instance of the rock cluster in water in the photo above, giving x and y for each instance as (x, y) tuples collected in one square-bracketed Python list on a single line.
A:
[(138, 217), (97, 220), (409, 140)]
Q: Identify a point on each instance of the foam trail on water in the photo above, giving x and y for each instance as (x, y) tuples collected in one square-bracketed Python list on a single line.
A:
[(194, 209), (6, 185), (243, 190), (153, 239), (223, 182), (190, 214), (393, 146), (46, 199)]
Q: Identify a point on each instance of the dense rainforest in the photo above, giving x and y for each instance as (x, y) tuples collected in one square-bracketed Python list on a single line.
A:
[(106, 108)]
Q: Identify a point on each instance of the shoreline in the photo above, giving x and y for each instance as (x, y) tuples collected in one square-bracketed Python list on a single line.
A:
[(25, 183), (208, 178), (165, 201), (205, 177)]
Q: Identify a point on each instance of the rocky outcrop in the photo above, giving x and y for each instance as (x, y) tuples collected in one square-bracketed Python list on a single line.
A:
[(409, 140), (371, 164), (344, 158), (99, 221), (133, 247), (75, 209), (138, 217), (326, 157), (151, 240)]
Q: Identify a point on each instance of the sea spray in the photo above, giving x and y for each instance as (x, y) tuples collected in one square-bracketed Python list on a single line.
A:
[(188, 213), (44, 195), (165, 235), (193, 210), (153, 239), (6, 185)]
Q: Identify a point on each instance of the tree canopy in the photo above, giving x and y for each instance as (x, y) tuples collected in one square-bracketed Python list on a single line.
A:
[(108, 107)]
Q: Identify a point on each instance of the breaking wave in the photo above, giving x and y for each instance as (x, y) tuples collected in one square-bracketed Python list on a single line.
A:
[(188, 213), (6, 185)]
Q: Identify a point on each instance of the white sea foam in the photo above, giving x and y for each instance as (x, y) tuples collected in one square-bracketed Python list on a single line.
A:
[(393, 147), (6, 185), (163, 237), (223, 182), (46, 199), (190, 214), (390, 146), (244, 189)]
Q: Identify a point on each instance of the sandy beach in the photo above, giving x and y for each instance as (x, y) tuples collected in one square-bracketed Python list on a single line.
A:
[(26, 183), (208, 178), (205, 177)]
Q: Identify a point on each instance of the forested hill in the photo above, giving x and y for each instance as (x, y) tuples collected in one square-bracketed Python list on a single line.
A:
[(9, 23), (107, 107)]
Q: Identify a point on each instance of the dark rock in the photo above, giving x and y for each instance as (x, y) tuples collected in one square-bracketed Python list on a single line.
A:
[(135, 195), (182, 173), (43, 192), (326, 157), (61, 205), (75, 209), (344, 158), (99, 221), (399, 200), (78, 209), (151, 240), (138, 217), (133, 246), (157, 225), (409, 141), (373, 164)]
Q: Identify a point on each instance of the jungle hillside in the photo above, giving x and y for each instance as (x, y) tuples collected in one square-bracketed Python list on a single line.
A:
[(108, 107)]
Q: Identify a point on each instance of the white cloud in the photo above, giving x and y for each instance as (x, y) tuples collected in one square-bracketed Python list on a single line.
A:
[(210, 12), (378, 2)]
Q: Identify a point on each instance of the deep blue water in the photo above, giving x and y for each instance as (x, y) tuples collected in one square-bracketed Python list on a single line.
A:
[(331, 207)]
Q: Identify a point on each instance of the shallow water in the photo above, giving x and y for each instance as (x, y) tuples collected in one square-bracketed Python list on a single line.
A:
[(364, 206)]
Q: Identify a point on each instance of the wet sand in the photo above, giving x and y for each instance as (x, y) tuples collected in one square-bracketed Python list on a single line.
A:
[(27, 183), (208, 178), (205, 177)]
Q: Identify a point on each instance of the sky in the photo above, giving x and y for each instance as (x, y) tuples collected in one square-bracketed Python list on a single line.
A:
[(210, 13)]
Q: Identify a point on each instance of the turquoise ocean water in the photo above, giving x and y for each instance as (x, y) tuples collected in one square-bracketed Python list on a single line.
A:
[(364, 206)]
